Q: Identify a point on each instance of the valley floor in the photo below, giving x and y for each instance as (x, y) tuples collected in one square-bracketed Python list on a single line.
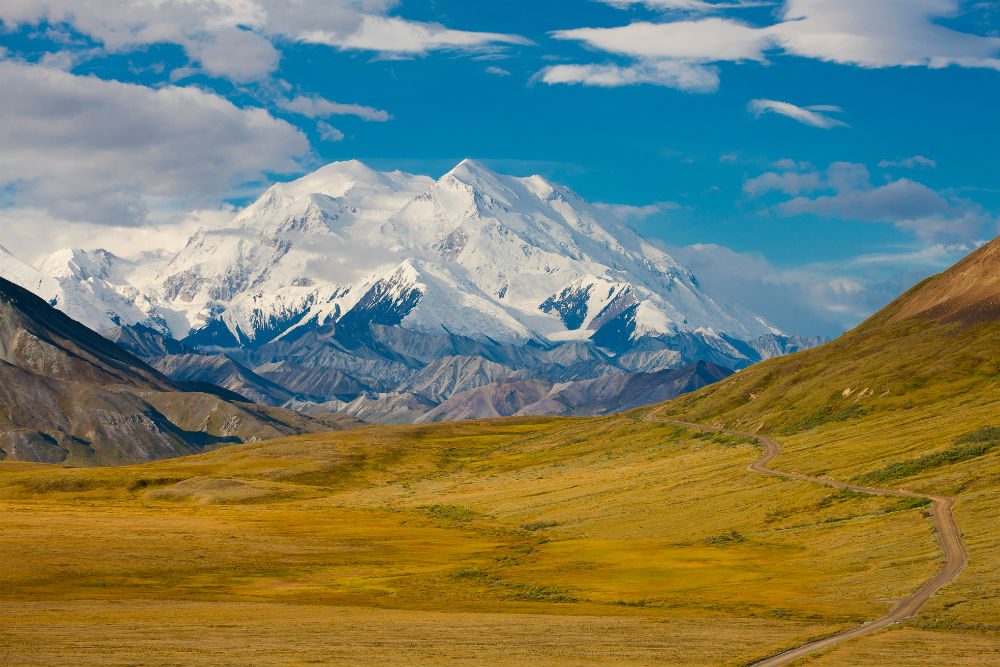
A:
[(528, 541)]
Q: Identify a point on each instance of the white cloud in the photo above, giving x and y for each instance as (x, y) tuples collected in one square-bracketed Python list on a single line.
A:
[(86, 149), (886, 33), (328, 132), (806, 115), (694, 6), (909, 163), (631, 212), (235, 38), (20, 230), (788, 164), (671, 73), (317, 107), (239, 55), (706, 40), (899, 200), (395, 35), (807, 301), (497, 71)]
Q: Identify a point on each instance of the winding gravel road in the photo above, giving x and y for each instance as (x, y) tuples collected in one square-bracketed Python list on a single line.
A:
[(944, 524)]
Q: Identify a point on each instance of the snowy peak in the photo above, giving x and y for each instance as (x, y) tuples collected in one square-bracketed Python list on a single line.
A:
[(18, 272), (473, 253), (589, 302)]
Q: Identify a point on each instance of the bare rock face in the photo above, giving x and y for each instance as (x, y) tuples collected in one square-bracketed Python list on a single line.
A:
[(597, 396), (25, 445), (68, 395)]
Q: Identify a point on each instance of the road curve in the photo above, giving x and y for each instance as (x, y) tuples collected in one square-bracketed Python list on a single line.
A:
[(955, 557)]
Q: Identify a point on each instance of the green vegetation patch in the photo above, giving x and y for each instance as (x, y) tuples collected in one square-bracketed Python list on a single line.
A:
[(451, 513), (840, 496), (513, 590), (967, 447), (539, 525), (912, 503), (828, 415), (732, 537)]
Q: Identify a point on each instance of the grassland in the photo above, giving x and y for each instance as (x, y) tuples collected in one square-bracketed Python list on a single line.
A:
[(614, 541)]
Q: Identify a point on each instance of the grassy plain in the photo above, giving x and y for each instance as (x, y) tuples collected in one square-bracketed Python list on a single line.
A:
[(570, 541)]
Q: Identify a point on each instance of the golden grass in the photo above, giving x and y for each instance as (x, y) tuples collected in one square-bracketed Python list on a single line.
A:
[(890, 394), (70, 634), (908, 647), (570, 541)]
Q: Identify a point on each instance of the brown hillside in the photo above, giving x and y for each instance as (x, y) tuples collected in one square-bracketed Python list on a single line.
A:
[(967, 293)]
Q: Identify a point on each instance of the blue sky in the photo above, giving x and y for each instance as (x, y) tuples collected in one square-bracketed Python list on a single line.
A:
[(810, 158)]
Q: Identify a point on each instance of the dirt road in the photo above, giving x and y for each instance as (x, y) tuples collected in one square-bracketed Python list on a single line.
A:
[(944, 524)]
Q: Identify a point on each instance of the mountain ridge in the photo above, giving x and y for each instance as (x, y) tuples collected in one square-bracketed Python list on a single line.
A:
[(344, 284), (476, 252)]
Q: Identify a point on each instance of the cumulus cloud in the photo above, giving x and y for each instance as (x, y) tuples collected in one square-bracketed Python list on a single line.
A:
[(788, 182), (909, 163), (328, 132), (813, 116), (899, 200), (86, 149), (888, 33), (849, 194), (673, 74), (236, 54), (312, 106), (235, 38), (788, 164)]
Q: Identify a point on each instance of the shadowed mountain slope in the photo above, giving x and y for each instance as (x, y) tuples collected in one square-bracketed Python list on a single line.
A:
[(69, 394)]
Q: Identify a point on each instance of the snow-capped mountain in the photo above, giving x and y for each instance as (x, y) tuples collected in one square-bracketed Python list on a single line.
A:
[(474, 253), (94, 287), (345, 285)]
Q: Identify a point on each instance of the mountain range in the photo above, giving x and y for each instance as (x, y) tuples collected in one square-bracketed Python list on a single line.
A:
[(386, 294)]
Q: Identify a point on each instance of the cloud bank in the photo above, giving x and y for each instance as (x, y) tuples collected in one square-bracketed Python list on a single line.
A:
[(85, 149)]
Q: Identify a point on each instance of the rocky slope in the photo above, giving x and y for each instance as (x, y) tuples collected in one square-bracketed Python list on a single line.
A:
[(69, 395), (606, 395)]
